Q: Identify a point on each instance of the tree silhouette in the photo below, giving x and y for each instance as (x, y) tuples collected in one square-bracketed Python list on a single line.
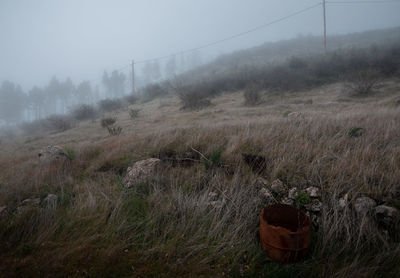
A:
[(13, 102)]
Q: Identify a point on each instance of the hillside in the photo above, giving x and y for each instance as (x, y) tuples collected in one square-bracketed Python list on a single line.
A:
[(198, 217)]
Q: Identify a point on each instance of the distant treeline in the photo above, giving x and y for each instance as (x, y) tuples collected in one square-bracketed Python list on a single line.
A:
[(57, 97)]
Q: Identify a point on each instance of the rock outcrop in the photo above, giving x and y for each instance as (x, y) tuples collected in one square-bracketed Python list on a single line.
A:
[(310, 201), (364, 205), (140, 172), (52, 153)]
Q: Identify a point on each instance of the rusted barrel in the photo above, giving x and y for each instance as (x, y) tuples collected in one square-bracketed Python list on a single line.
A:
[(284, 233)]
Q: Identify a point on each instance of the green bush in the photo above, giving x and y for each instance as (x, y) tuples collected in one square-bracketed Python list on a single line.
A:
[(214, 160), (302, 199)]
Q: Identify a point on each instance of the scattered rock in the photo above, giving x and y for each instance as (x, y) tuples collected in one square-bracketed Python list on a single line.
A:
[(387, 215), (344, 201), (261, 182), (140, 172), (50, 200), (363, 205), (31, 202), (216, 204), (52, 153), (287, 201), (293, 193), (313, 192), (296, 116), (316, 220), (395, 193), (314, 206), (213, 196), (267, 196), (278, 187)]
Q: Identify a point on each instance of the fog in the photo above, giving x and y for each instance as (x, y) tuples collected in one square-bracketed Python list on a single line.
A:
[(81, 39)]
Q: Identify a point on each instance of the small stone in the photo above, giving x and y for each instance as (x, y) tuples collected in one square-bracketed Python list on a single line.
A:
[(216, 204), (267, 196), (344, 201), (213, 196), (387, 215), (314, 206), (395, 192), (313, 192), (287, 201), (31, 202), (293, 192), (140, 172), (51, 200), (296, 116), (363, 205), (278, 187), (316, 221), (261, 182)]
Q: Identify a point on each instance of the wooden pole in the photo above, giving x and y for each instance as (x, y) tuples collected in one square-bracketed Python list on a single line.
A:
[(133, 77), (324, 10)]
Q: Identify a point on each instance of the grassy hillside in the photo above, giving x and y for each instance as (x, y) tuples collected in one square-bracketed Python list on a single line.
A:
[(169, 226)]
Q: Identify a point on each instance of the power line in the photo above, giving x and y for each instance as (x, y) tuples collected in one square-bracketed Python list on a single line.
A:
[(363, 2), (216, 42), (251, 31), (230, 37)]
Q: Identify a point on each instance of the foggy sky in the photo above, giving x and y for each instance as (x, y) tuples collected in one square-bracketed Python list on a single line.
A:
[(81, 38)]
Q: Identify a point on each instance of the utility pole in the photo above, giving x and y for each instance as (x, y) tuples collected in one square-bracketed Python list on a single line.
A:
[(133, 77), (324, 8)]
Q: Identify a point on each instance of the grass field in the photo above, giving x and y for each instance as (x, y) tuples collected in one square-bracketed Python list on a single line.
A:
[(167, 227)]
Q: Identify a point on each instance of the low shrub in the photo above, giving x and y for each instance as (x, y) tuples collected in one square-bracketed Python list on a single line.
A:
[(56, 123), (84, 112), (152, 91), (192, 98), (252, 96), (108, 105), (105, 122), (362, 83), (134, 113)]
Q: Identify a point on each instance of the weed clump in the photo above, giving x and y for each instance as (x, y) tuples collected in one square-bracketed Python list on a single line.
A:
[(355, 131), (252, 96), (114, 130), (105, 122), (134, 113), (214, 160), (302, 199), (71, 154)]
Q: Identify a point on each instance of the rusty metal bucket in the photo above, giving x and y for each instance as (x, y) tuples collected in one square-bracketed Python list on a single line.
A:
[(284, 233)]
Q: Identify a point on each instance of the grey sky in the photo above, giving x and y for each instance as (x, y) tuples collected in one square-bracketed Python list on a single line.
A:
[(81, 38)]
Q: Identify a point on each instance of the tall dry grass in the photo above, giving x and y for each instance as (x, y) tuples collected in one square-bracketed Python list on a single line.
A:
[(172, 226)]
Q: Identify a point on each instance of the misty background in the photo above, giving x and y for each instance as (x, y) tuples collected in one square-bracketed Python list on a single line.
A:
[(69, 50)]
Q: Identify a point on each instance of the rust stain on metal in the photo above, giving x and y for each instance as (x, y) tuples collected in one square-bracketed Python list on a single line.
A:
[(284, 233)]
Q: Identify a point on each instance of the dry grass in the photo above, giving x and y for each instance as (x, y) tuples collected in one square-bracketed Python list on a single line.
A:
[(167, 227)]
